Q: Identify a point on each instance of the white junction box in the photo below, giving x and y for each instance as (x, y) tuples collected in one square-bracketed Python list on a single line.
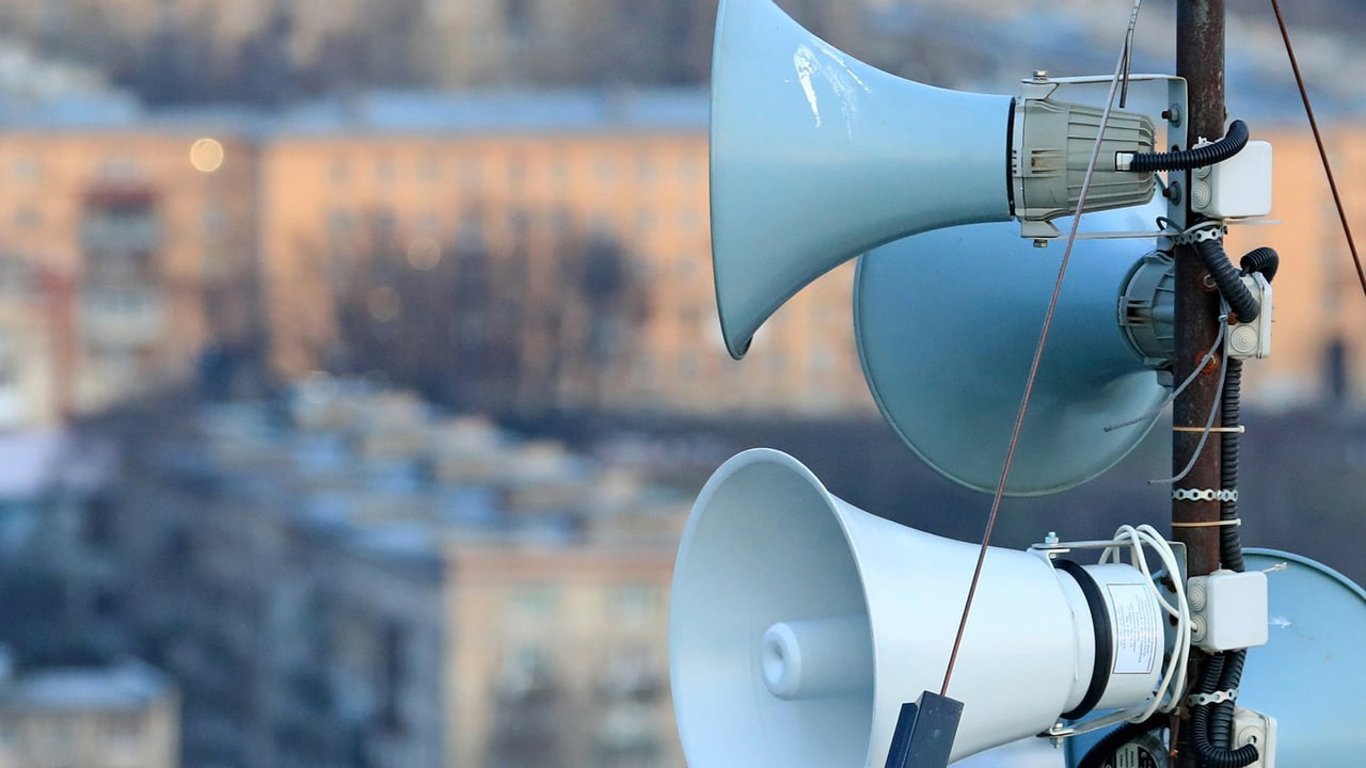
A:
[(1239, 187), (1259, 730), (1228, 610)]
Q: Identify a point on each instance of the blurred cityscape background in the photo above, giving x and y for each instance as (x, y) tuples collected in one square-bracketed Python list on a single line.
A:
[(359, 361)]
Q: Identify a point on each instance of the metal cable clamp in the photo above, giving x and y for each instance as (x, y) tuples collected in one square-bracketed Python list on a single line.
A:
[(1205, 494), (1218, 697), (1202, 232)]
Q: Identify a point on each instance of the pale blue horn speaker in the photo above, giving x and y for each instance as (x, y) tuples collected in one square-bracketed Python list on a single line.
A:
[(817, 157), (947, 323)]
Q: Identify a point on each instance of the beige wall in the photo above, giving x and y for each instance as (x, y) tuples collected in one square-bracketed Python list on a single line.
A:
[(578, 608), (1317, 295), (647, 190), (203, 258)]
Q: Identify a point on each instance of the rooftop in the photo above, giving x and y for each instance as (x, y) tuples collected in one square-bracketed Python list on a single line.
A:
[(126, 686), (384, 113)]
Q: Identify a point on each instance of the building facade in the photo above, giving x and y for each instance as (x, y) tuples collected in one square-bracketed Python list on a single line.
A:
[(367, 585), (132, 250), (517, 251), (122, 716)]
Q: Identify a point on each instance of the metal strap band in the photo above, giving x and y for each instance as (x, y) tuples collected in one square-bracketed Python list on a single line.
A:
[(1205, 494), (1218, 697), (1202, 232)]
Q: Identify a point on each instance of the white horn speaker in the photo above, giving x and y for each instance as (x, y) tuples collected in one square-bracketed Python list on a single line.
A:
[(800, 624), (947, 323), (817, 157)]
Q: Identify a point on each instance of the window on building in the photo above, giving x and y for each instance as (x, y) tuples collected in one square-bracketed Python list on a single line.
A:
[(560, 221), (689, 219), (518, 17), (395, 650), (99, 529), (385, 169), (429, 168), (821, 360), (27, 169), (690, 168), (559, 173), (121, 168), (637, 602), (341, 227), (338, 170), (471, 171), (535, 602), (9, 735), (645, 167), (27, 217), (517, 171), (124, 731), (605, 169), (215, 221)]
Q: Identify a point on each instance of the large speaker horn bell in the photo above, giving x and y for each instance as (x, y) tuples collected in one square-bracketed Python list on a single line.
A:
[(947, 323), (817, 157)]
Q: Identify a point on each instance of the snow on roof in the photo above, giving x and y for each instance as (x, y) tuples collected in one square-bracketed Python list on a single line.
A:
[(128, 685), (36, 462)]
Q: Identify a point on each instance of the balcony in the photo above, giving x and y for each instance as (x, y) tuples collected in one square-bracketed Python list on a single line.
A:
[(112, 231), (122, 317)]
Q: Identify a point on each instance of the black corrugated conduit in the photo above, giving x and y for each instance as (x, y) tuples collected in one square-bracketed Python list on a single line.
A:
[(1199, 157), (1228, 279), (1263, 260), (1213, 723)]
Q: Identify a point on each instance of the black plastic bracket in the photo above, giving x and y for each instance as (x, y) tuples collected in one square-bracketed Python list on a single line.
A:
[(925, 732)]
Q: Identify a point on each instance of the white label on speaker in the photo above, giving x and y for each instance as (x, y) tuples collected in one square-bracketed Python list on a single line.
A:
[(1138, 628)]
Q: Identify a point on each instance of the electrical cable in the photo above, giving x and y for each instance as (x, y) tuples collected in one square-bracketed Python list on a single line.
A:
[(1169, 692), (1038, 357), (1186, 159), (1227, 280), (1323, 153), (1214, 726), (1204, 361), (1213, 411)]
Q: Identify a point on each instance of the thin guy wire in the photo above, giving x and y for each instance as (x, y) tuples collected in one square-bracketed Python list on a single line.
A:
[(1038, 356), (1124, 73), (1213, 412), (1318, 139), (1204, 361)]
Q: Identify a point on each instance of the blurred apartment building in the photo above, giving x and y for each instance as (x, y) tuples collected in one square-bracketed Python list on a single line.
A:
[(550, 249), (313, 44), (523, 179), (352, 581), (120, 260), (123, 715)]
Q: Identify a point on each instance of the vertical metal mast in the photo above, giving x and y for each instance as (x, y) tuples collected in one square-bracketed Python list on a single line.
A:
[(1200, 60)]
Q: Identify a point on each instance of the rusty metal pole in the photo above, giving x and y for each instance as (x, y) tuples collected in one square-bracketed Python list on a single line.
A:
[(1199, 59)]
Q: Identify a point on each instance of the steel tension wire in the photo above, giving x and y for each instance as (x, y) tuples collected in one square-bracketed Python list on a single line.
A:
[(1038, 352), (1318, 139)]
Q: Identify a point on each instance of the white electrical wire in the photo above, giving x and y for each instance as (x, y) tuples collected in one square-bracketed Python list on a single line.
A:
[(1169, 692)]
